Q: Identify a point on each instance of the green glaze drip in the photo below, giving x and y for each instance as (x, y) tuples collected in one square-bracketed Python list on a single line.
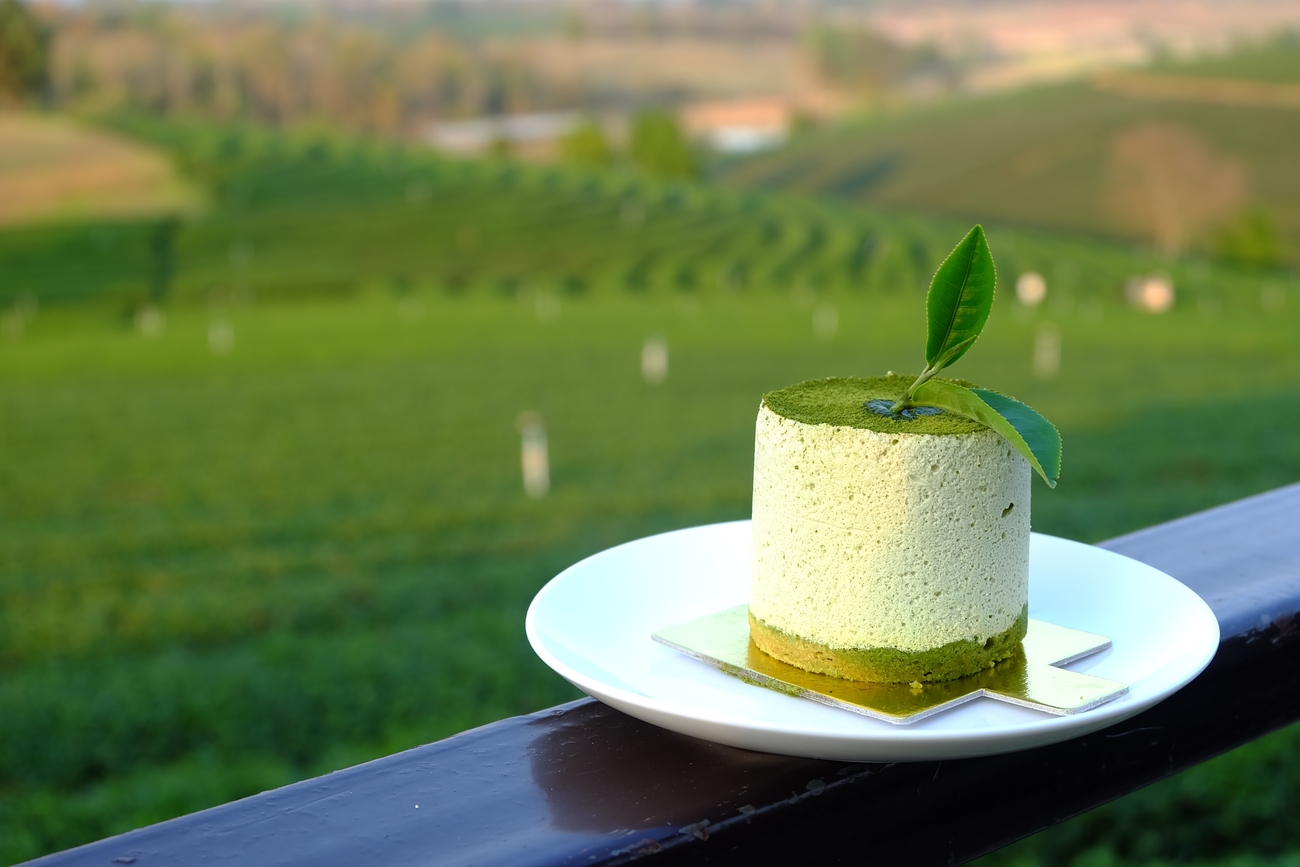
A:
[(840, 401), (887, 664)]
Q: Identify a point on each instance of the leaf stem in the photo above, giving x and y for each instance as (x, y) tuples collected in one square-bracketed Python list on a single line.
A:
[(905, 402)]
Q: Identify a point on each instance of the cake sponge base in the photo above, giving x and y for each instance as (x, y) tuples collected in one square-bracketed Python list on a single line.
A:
[(887, 664)]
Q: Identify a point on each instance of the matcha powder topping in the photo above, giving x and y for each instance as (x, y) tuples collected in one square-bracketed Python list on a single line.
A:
[(842, 402)]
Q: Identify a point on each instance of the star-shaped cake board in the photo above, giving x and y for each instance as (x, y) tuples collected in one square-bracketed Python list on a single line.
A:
[(1031, 678)]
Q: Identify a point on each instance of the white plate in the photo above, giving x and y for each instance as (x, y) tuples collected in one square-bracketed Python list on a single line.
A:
[(592, 624)]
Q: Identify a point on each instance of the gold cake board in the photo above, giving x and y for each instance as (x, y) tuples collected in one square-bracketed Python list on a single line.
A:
[(1031, 678)]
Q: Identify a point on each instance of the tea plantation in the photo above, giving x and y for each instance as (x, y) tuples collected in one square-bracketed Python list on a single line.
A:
[(301, 215), (262, 515)]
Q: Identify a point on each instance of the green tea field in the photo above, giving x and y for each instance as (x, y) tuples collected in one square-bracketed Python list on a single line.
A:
[(302, 215), (262, 514)]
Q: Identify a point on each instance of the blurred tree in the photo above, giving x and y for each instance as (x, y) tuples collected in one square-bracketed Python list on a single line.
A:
[(193, 59), (24, 54), (659, 148), (1167, 183), (574, 25), (586, 146), (1251, 240), (854, 58), (864, 62)]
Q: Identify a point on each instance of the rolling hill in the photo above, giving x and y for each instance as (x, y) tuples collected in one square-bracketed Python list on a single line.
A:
[(1114, 157), (53, 169)]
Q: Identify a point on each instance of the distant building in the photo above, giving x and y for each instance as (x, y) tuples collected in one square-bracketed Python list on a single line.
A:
[(527, 134), (739, 126)]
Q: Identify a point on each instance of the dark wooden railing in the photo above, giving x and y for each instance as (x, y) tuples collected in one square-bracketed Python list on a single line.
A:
[(585, 784)]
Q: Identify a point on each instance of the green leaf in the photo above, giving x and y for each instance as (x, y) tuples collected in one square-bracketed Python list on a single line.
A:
[(961, 296), (1032, 435)]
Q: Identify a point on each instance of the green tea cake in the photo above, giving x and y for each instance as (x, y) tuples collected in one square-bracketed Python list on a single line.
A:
[(891, 520), (885, 548)]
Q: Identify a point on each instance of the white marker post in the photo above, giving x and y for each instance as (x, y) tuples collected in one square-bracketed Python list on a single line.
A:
[(1047, 351), (826, 321), (150, 321), (11, 324), (654, 360), (221, 336), (1272, 298), (546, 307), (532, 455)]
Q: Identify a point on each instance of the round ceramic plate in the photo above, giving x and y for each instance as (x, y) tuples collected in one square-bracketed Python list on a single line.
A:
[(592, 624)]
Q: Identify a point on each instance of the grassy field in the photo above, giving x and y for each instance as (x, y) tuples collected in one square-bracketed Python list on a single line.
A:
[(225, 573), (227, 564), (1044, 157)]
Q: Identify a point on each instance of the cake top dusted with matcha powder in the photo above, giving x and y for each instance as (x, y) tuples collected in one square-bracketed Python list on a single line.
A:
[(842, 401), (957, 308)]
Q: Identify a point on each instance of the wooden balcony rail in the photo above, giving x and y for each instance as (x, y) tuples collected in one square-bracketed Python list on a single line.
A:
[(585, 784)]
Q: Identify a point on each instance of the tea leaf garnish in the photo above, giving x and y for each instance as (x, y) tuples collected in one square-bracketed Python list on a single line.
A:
[(957, 307)]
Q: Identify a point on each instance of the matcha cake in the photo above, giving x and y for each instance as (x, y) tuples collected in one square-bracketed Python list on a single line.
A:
[(885, 548)]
